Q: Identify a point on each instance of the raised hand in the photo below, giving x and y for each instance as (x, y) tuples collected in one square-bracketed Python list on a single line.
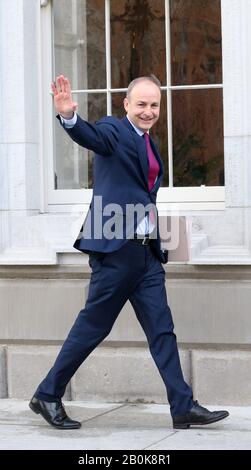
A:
[(62, 97)]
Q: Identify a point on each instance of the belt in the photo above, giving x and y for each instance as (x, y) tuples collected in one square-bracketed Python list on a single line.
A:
[(141, 240)]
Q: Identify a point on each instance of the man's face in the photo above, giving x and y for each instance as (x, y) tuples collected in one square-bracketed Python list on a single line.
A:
[(143, 105)]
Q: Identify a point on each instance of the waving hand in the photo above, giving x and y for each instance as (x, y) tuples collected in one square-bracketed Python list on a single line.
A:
[(63, 98)]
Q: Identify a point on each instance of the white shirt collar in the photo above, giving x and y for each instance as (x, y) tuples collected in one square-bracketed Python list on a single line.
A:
[(139, 131)]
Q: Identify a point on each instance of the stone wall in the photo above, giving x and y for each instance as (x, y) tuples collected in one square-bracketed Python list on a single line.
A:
[(212, 320)]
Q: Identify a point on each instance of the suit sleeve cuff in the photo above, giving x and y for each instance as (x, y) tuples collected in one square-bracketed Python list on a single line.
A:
[(68, 123)]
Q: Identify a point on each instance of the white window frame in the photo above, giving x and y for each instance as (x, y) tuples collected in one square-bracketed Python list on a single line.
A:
[(182, 198)]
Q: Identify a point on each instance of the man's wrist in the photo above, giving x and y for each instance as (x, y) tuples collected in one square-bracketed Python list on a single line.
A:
[(69, 122), (67, 117)]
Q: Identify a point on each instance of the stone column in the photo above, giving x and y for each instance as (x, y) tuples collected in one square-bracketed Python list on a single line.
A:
[(19, 120)]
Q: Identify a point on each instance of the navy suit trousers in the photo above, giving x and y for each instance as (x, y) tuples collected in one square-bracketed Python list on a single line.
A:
[(132, 273)]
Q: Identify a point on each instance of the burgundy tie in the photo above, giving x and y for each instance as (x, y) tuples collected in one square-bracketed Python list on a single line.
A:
[(153, 171), (153, 164)]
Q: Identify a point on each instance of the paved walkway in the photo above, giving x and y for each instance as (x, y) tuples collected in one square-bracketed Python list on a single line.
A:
[(120, 426)]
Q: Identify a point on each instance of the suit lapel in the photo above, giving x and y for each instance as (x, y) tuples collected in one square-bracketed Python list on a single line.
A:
[(141, 149)]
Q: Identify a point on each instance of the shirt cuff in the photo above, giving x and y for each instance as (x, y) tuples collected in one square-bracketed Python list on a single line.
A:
[(68, 123)]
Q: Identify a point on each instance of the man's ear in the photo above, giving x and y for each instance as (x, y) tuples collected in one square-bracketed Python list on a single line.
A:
[(126, 103)]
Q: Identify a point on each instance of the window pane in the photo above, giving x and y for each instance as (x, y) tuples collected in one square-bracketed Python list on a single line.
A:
[(198, 154), (96, 43), (117, 105), (196, 42), (79, 42), (73, 164), (137, 40), (158, 132)]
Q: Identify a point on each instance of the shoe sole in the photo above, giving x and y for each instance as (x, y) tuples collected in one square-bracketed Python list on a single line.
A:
[(187, 425), (38, 412)]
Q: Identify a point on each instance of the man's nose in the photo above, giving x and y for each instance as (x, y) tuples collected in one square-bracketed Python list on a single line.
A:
[(148, 110)]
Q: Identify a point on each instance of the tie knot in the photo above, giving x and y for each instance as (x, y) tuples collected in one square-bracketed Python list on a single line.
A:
[(146, 137)]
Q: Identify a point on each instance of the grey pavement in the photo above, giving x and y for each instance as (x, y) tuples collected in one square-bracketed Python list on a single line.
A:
[(126, 426)]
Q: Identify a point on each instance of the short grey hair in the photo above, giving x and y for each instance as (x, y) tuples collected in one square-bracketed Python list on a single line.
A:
[(150, 78)]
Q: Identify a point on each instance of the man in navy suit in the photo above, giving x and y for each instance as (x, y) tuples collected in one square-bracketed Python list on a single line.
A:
[(124, 251)]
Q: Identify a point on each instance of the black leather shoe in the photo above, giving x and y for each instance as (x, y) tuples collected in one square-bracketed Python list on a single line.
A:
[(54, 413), (198, 416)]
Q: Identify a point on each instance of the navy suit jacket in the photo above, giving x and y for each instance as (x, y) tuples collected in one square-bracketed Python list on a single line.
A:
[(120, 177)]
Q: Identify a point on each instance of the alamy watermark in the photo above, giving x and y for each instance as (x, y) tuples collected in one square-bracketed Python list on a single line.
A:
[(113, 221)]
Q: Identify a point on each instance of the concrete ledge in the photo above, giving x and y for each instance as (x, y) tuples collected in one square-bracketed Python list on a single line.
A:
[(174, 271), (45, 309), (3, 373), (211, 311), (27, 366), (119, 374), (122, 374), (40, 309), (222, 377)]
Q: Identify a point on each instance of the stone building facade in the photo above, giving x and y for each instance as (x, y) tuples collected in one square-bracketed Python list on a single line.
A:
[(44, 281)]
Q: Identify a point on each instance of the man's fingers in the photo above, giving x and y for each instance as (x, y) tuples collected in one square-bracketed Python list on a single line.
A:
[(54, 88), (60, 83), (63, 87), (67, 85)]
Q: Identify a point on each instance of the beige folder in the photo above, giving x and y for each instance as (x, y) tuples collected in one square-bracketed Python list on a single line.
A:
[(175, 234)]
